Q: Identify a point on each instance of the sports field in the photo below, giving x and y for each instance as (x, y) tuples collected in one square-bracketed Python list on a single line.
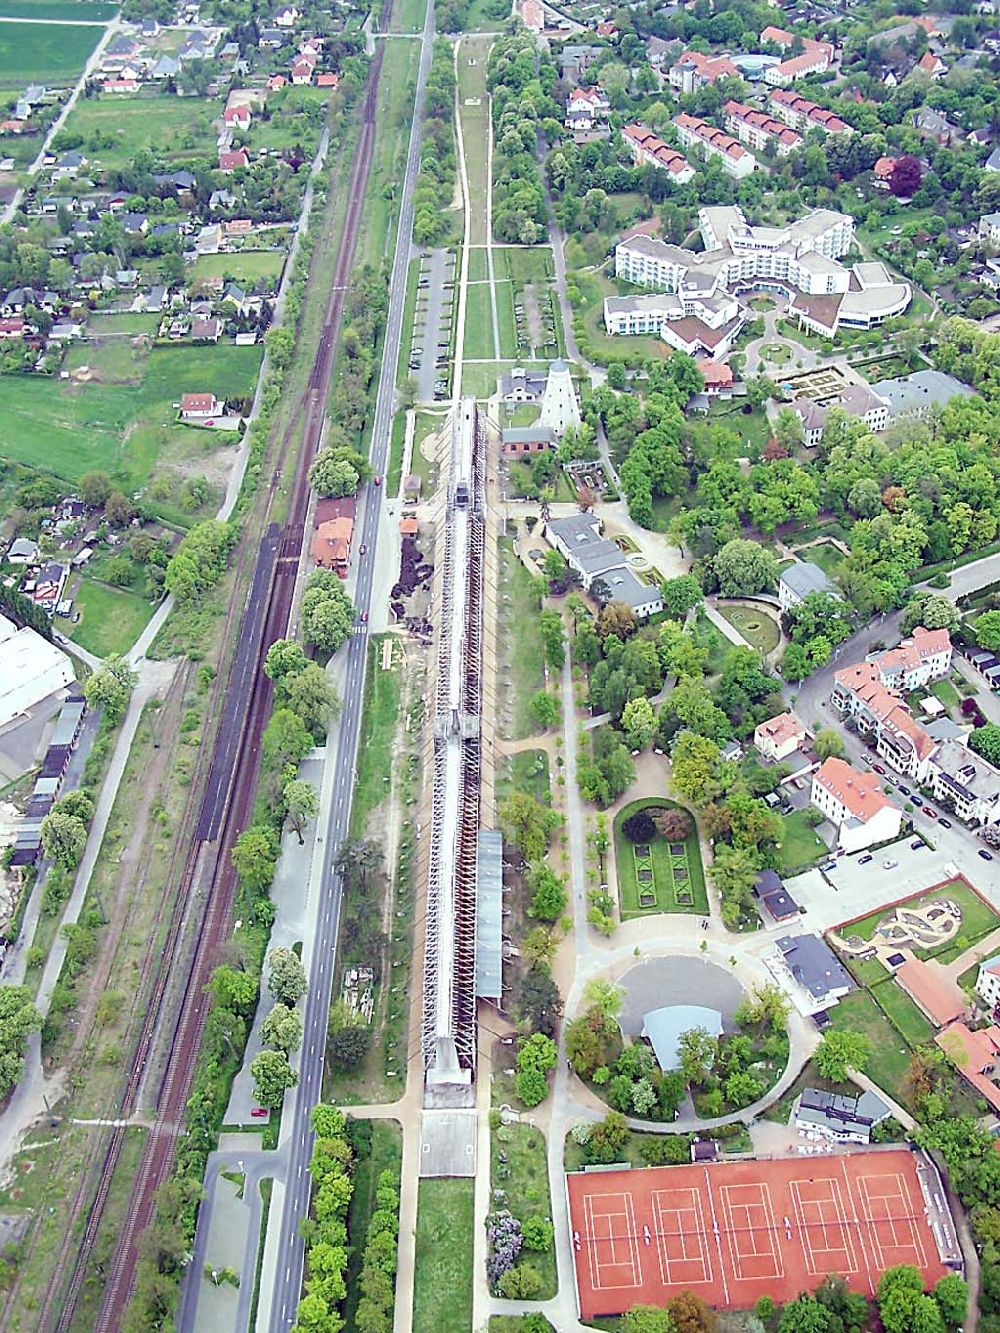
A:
[(735, 1231)]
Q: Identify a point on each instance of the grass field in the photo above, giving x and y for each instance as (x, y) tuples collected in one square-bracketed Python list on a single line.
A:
[(858, 1012), (112, 361), (72, 429), (172, 128), (522, 663), (442, 1282), (243, 266), (392, 125), (111, 619), (378, 730), (475, 129), (99, 325), (827, 556), (903, 1012), (479, 345), (665, 885), (524, 1178), (526, 771), (758, 628), (44, 52), (84, 11), (386, 1155), (800, 844), (525, 264), (946, 692)]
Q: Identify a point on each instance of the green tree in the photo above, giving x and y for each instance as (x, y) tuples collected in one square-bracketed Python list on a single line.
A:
[(18, 1019), (310, 693), (537, 1234), (680, 595), (255, 855), (234, 990), (327, 611), (284, 657), (804, 1315), (639, 722), (841, 1050), (987, 630), (301, 804), (604, 998), (285, 741), (985, 741), (697, 1051), (545, 709), (647, 1319), (94, 487), (744, 568), (550, 628), (333, 473), (828, 742), (693, 761), (933, 610), (952, 1295), (527, 824), (272, 1076), (287, 978), (64, 837), (282, 1029), (548, 900), (110, 687)]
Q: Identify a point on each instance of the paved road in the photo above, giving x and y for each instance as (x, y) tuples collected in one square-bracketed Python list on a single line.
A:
[(298, 1136)]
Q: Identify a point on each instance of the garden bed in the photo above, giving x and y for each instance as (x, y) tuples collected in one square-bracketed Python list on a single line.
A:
[(658, 876)]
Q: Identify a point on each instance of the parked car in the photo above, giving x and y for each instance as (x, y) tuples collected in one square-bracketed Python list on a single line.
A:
[(830, 865), (903, 791), (987, 856), (877, 768), (863, 860), (917, 845), (259, 1111), (931, 814), (945, 823), (918, 801), (890, 864)]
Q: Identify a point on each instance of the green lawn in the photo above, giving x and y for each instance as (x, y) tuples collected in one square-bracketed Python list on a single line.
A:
[(524, 1178), (521, 654), (666, 884), (777, 353), (826, 555), (753, 428), (44, 52), (173, 128), (111, 619), (858, 1012), (978, 918), (481, 381), (946, 692), (525, 264), (386, 1155), (526, 771), (378, 730), (86, 11), (71, 429), (243, 266), (800, 844), (759, 629), (478, 323), (442, 1285), (100, 325), (111, 361), (903, 1012), (397, 442), (392, 126)]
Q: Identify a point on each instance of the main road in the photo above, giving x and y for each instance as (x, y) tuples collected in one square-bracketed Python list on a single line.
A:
[(298, 1142)]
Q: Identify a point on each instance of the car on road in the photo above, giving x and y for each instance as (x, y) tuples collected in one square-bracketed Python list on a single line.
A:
[(931, 814), (863, 860), (917, 800), (363, 548), (877, 768), (830, 865), (890, 864), (258, 1111), (917, 845), (903, 791), (987, 856), (945, 823), (378, 479)]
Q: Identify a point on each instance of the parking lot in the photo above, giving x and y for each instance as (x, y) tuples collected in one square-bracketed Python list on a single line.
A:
[(430, 343)]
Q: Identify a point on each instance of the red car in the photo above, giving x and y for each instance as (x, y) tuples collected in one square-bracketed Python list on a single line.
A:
[(378, 481), (931, 814), (259, 1111), (877, 768)]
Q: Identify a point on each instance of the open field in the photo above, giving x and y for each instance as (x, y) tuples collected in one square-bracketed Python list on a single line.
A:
[(84, 11), (126, 321), (44, 52), (111, 619), (392, 127), (475, 128), (521, 666), (242, 266), (678, 881), (375, 753), (758, 628), (72, 429), (111, 361), (442, 1286), (858, 1012), (478, 323), (172, 128)]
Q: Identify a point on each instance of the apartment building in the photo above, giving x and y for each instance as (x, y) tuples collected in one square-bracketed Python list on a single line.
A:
[(923, 657), (693, 70), (965, 783), (854, 803), (759, 130), (694, 132), (800, 114), (779, 737), (649, 149)]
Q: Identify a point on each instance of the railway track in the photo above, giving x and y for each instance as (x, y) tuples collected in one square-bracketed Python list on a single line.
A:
[(208, 869)]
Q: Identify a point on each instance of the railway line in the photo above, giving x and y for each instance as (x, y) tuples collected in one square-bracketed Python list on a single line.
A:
[(208, 881)]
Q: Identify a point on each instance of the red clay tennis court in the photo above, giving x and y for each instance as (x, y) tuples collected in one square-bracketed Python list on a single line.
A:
[(735, 1231)]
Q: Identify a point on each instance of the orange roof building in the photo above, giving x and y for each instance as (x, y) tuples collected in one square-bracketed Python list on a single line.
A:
[(409, 526), (974, 1055), (331, 544), (779, 737), (939, 999), (853, 802), (716, 374)]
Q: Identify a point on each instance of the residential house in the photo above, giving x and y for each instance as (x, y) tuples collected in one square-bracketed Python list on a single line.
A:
[(987, 980), (965, 783), (989, 229), (201, 406), (22, 551), (622, 584), (931, 66), (975, 1056), (166, 67), (649, 149), (276, 82), (287, 17), (759, 130), (938, 999), (775, 899), (328, 79), (882, 172), (209, 239), (856, 400), (695, 132), (844, 1118), (779, 737), (302, 71), (270, 39), (819, 977), (135, 224), (992, 163), (854, 803), (578, 538), (916, 661), (816, 57), (233, 160), (917, 395), (693, 71), (718, 377), (68, 166), (45, 589), (799, 580), (120, 86), (237, 117), (584, 106), (903, 743), (119, 52), (931, 124), (331, 544), (65, 330), (206, 331), (16, 300)]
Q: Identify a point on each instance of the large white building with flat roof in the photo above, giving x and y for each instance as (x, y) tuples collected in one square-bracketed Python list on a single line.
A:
[(800, 260), (31, 668)]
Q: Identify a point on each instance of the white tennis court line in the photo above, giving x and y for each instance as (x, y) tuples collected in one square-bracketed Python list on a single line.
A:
[(915, 1243), (695, 1209), (764, 1202), (626, 1211), (811, 1251)]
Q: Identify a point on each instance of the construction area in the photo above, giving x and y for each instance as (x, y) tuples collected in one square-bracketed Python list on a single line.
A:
[(735, 1231)]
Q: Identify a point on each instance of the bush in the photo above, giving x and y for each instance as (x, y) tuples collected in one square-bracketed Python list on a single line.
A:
[(640, 827)]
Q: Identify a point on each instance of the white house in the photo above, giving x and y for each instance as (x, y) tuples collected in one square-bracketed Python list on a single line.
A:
[(779, 737), (853, 802), (584, 106), (965, 782), (799, 580), (200, 406), (622, 584), (989, 228), (988, 981), (578, 538), (916, 661)]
